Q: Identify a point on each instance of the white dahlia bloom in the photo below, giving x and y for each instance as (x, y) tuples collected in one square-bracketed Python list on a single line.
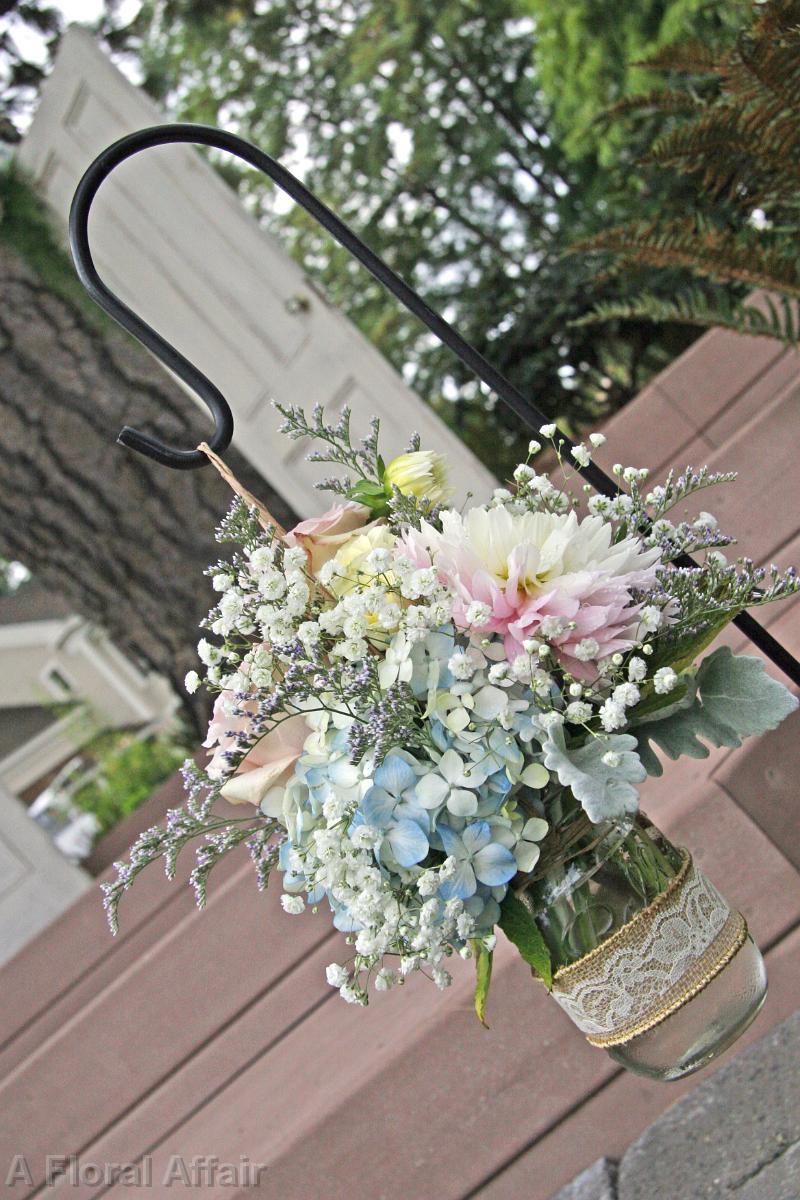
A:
[(528, 567)]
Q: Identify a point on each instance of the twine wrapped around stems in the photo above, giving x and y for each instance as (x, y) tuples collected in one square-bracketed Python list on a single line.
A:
[(264, 515)]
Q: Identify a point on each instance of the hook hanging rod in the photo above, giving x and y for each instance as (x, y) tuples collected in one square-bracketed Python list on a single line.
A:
[(220, 139)]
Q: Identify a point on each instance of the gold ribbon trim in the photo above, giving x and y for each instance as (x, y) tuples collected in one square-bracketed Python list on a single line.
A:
[(654, 964)]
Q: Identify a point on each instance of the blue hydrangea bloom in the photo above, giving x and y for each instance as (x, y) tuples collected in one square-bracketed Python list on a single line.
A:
[(391, 806), (478, 860)]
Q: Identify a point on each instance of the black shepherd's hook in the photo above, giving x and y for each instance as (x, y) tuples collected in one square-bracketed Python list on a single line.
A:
[(207, 135)]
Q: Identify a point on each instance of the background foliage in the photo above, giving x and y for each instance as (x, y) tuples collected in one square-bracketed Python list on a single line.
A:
[(728, 124), (586, 58), (129, 770)]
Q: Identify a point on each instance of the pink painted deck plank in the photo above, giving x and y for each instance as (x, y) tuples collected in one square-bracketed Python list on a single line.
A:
[(49, 961), (288, 1000), (607, 1122), (782, 375), (36, 977), (762, 782), (151, 1017), (724, 841), (76, 957), (761, 507), (392, 1100), (654, 435), (715, 371)]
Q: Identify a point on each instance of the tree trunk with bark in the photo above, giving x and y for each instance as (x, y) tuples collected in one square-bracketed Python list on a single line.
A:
[(123, 539)]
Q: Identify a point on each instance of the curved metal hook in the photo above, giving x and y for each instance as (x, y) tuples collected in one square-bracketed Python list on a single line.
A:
[(218, 406), (207, 135)]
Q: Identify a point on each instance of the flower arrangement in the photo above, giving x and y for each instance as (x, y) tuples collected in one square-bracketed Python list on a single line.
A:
[(429, 714)]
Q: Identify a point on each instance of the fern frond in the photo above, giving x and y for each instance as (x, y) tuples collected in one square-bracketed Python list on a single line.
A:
[(694, 307), (767, 57), (741, 141), (659, 100), (690, 58), (733, 152), (704, 250)]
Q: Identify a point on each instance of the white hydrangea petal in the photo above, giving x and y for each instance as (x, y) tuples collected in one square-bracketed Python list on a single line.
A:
[(535, 829), (526, 855), (451, 766), (462, 803), (431, 790), (535, 776), (457, 720), (490, 702), (343, 773)]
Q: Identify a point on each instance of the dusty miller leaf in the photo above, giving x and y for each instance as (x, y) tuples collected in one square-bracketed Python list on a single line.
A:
[(734, 698), (605, 792)]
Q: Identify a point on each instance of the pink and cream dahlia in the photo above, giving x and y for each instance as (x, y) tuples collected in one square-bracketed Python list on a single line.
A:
[(539, 575)]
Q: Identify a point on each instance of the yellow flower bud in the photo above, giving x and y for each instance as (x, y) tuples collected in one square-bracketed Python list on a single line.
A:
[(421, 473), (350, 559)]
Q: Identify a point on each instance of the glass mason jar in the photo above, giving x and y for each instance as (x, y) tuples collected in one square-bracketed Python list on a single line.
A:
[(648, 958)]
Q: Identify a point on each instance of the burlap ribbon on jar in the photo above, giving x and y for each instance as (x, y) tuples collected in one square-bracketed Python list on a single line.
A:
[(654, 964)]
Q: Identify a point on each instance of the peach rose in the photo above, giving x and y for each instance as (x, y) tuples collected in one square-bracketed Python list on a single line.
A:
[(322, 536), (267, 764)]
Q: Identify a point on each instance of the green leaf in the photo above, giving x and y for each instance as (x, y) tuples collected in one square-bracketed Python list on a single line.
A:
[(365, 487), (654, 706), (520, 928), (734, 698), (665, 655), (483, 977), (372, 495)]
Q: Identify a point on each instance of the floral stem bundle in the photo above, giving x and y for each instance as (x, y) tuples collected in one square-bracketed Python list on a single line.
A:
[(436, 720)]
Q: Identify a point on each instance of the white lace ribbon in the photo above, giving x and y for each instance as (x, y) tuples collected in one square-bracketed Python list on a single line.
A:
[(654, 964)]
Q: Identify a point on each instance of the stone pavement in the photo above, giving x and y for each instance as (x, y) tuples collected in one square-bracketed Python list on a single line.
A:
[(736, 1137)]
